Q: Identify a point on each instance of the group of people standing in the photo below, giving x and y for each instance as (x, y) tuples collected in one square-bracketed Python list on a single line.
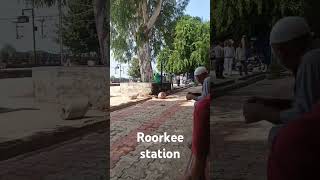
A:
[(226, 54)]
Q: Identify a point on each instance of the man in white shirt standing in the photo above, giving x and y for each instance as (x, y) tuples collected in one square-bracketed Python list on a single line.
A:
[(241, 59), (229, 54)]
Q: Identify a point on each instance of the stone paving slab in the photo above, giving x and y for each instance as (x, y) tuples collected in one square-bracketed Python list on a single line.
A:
[(83, 158), (240, 150), (22, 119), (173, 115)]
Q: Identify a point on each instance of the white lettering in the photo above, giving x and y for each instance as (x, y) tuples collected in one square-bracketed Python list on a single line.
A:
[(142, 155), (174, 138), (148, 138), (180, 138), (176, 154), (155, 138), (160, 154), (169, 155), (140, 136), (166, 137)]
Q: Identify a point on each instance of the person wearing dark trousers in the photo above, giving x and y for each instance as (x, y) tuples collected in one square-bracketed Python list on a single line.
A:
[(241, 58), (219, 60)]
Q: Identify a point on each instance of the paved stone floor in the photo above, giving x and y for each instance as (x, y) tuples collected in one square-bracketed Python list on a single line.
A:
[(173, 115), (239, 151), (80, 159)]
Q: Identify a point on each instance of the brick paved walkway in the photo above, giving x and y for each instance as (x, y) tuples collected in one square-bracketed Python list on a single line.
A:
[(239, 150), (173, 115), (80, 159)]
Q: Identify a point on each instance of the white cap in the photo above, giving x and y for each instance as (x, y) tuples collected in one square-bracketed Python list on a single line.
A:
[(288, 28), (200, 70)]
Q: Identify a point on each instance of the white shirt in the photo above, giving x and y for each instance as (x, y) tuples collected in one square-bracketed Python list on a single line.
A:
[(307, 90), (241, 54), (205, 89), (229, 52)]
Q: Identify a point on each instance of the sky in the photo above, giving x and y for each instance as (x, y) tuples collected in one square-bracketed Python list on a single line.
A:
[(200, 8), (10, 9)]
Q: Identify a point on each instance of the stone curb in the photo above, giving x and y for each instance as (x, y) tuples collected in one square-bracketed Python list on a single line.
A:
[(251, 75), (42, 140), (242, 83), (125, 105), (5, 74), (179, 89), (225, 83)]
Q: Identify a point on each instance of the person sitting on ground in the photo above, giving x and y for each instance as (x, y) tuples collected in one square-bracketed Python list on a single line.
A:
[(198, 167), (202, 76), (295, 152), (292, 43)]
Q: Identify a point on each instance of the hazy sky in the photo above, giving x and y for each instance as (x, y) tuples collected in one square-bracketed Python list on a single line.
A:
[(10, 9)]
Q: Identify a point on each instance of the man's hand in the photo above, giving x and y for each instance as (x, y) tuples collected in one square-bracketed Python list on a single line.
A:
[(255, 112)]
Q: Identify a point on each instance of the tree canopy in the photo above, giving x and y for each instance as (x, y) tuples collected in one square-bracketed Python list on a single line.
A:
[(141, 27), (101, 14), (190, 47), (255, 17), (7, 51), (252, 17), (134, 69), (79, 29)]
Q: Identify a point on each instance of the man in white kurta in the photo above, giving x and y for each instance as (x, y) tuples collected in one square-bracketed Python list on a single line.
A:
[(229, 55)]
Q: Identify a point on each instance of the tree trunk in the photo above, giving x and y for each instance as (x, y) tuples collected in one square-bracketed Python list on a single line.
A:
[(145, 62), (100, 10), (144, 51)]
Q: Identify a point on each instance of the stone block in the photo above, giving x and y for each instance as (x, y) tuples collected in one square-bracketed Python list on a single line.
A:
[(64, 84)]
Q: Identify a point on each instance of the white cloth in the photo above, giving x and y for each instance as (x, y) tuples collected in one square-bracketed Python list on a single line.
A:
[(205, 89), (241, 54), (289, 28), (307, 90), (200, 70), (229, 52), (307, 86), (228, 65)]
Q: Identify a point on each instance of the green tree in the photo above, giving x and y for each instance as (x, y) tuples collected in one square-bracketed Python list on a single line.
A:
[(79, 30), (190, 47), (141, 27), (102, 16), (251, 17), (134, 69), (6, 52)]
